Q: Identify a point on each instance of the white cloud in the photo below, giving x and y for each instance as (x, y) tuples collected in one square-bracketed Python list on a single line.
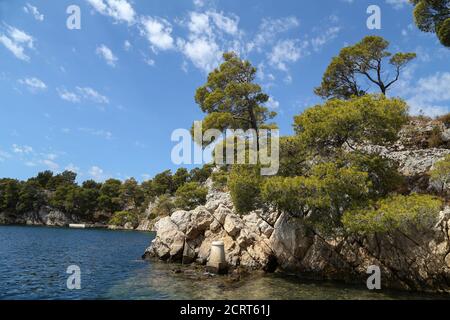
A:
[(52, 165), (4, 155), (431, 95), (73, 168), (204, 53), (397, 4), (92, 95), (68, 96), (28, 8), (119, 10), (127, 45), (428, 95), (200, 3), (17, 41), (228, 25), (22, 149), (270, 29), (82, 93), (326, 36), (210, 34), (199, 23), (272, 103), (33, 84), (106, 53), (149, 61), (286, 51), (158, 32), (97, 173)]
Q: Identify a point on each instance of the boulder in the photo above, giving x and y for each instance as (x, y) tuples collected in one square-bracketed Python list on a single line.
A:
[(169, 242), (201, 218), (233, 225), (128, 226), (182, 219), (290, 241)]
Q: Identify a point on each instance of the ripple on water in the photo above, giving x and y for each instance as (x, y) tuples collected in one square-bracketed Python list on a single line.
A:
[(33, 263)]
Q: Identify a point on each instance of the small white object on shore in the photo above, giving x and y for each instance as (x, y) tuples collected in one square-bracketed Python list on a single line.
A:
[(217, 263), (77, 226)]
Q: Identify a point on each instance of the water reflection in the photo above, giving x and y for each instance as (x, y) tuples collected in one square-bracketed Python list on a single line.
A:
[(163, 281)]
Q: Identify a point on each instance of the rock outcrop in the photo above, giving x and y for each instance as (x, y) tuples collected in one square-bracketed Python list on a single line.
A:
[(266, 239), (45, 216), (417, 261)]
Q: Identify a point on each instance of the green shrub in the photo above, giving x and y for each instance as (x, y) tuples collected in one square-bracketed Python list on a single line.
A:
[(121, 218), (394, 213), (382, 172), (220, 180), (190, 195), (244, 183), (164, 206), (435, 140), (323, 196), (9, 195), (371, 118), (440, 174)]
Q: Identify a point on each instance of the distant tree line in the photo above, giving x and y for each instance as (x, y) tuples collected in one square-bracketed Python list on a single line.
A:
[(111, 201)]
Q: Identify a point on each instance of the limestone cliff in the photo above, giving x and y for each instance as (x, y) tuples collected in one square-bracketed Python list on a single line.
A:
[(267, 239)]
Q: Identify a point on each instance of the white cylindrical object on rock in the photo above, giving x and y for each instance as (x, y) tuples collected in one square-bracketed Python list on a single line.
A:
[(217, 253), (217, 262)]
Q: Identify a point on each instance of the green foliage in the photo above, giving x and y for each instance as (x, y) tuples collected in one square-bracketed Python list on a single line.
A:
[(121, 218), (164, 206), (9, 195), (131, 195), (190, 195), (244, 183), (220, 179), (31, 197), (344, 77), (322, 196), (43, 178), (294, 156), (180, 178), (433, 16), (394, 213), (371, 118), (202, 174), (383, 173), (231, 99), (97, 202), (66, 178), (109, 200), (163, 183), (64, 198), (440, 174)]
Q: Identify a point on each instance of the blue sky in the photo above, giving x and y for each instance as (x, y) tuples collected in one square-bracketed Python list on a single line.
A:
[(104, 100)]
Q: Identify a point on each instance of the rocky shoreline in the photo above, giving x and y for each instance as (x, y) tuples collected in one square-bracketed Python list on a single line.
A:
[(50, 217), (269, 240)]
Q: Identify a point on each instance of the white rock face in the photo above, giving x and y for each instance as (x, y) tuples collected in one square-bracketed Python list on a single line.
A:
[(182, 219), (233, 225), (245, 239), (251, 242), (267, 239)]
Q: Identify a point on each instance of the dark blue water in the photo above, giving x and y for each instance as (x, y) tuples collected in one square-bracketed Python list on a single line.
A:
[(34, 260)]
